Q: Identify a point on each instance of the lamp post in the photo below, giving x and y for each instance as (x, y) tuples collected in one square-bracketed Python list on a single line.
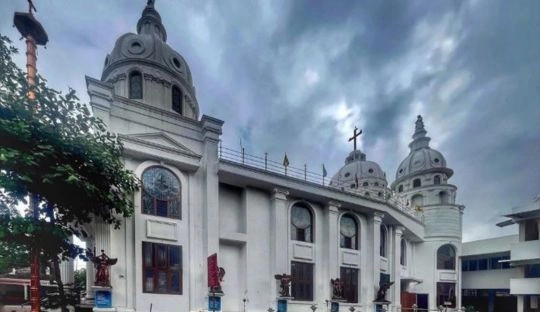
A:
[(35, 35)]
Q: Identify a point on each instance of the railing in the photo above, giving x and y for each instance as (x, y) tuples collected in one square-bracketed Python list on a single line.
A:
[(305, 175)]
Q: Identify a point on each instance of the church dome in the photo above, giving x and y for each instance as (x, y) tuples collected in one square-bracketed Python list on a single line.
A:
[(422, 158), (148, 46), (359, 172)]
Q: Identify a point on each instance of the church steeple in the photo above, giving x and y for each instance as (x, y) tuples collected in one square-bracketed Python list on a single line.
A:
[(150, 22)]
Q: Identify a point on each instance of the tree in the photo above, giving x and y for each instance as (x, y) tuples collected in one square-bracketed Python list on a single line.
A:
[(52, 147), (11, 257)]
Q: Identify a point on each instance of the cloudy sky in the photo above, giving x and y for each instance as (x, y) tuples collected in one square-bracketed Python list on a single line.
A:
[(297, 76)]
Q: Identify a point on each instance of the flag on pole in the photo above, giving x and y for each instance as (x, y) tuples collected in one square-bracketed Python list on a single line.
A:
[(285, 161), (324, 173), (356, 179)]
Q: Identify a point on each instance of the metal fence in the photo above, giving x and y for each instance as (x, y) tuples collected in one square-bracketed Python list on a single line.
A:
[(240, 157)]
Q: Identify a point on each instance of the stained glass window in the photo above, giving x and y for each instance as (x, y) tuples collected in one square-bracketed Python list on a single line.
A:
[(349, 278), (161, 193), (301, 224), (302, 281), (403, 256), (382, 248), (135, 85), (162, 268), (177, 99), (348, 232), (446, 258)]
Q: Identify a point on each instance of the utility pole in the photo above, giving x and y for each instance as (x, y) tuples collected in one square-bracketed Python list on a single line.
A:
[(35, 35)]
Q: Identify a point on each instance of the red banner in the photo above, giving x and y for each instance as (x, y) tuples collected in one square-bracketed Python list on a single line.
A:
[(213, 271)]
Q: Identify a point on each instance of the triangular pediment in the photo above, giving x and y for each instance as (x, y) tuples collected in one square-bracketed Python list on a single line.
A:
[(158, 141)]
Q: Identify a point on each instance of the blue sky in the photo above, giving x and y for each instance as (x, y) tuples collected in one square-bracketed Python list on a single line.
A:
[(297, 76)]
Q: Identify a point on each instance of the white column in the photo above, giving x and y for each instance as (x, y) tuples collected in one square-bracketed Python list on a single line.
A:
[(520, 303), (374, 261), (66, 269), (102, 238), (280, 228), (396, 272), (333, 246), (211, 132)]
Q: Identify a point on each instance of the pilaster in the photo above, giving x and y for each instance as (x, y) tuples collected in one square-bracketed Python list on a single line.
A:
[(280, 228), (374, 263), (211, 130), (332, 260), (396, 268)]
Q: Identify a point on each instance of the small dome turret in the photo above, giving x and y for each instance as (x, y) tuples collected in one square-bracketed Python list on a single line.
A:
[(359, 172), (422, 158), (160, 66)]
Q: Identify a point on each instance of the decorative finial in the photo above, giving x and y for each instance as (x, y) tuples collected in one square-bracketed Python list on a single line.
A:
[(355, 136), (150, 3), (419, 123)]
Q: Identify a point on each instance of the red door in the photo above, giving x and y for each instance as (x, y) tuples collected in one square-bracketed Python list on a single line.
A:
[(407, 300)]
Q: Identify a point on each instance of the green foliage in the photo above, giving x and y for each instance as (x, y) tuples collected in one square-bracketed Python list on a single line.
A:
[(80, 278), (53, 147)]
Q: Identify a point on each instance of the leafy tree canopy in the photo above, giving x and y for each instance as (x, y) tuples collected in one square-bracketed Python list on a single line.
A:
[(54, 148)]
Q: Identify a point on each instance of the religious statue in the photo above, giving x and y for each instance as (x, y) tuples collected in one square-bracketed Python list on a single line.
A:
[(284, 282), (337, 288), (381, 293), (102, 264)]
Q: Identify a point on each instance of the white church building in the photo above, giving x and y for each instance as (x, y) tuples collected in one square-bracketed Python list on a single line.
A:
[(198, 199)]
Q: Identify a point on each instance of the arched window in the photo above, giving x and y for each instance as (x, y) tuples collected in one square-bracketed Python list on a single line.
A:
[(403, 256), (348, 232), (437, 180), (161, 192), (416, 183), (446, 257), (301, 224), (443, 197), (400, 188), (365, 184), (135, 85), (177, 99), (382, 248)]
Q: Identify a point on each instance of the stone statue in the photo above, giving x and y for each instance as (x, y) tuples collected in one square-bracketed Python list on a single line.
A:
[(381, 293), (102, 264), (337, 288), (284, 282)]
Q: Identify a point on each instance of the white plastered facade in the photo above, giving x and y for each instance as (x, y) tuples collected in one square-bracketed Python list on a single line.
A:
[(243, 213)]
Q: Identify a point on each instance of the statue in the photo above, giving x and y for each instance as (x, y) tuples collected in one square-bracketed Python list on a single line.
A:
[(381, 293), (337, 288), (284, 282), (102, 264)]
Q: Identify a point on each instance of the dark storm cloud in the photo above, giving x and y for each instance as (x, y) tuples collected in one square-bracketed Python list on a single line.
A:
[(297, 76)]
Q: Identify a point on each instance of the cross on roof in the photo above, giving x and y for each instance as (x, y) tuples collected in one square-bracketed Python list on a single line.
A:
[(355, 135), (31, 7)]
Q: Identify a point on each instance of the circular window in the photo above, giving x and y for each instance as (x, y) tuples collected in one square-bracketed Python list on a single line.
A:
[(176, 62), (347, 174), (136, 47), (370, 170), (436, 160), (380, 194), (106, 60), (401, 170)]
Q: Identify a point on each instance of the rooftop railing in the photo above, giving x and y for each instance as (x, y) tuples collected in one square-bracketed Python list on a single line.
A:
[(240, 157)]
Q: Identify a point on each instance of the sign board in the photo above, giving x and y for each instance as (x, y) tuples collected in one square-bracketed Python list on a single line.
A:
[(334, 307), (103, 299), (213, 271), (214, 303), (282, 306)]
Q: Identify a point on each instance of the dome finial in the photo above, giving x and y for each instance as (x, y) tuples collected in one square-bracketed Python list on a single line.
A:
[(420, 140), (150, 22), (419, 123)]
